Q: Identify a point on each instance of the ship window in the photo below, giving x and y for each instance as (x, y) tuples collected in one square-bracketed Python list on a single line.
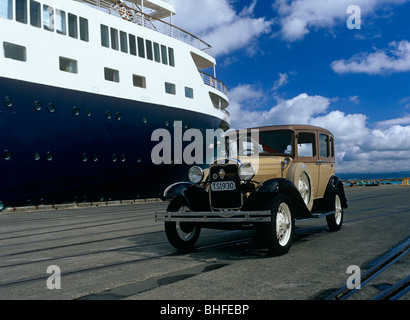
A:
[(111, 75), (84, 29), (133, 44), (35, 14), (148, 43), (171, 57), (157, 54), (170, 88), (141, 48), (123, 42), (60, 21), (48, 18), (68, 65), (105, 40), (72, 26), (21, 11), (6, 9), (139, 81), (189, 92), (7, 155), (15, 52), (114, 39), (164, 54)]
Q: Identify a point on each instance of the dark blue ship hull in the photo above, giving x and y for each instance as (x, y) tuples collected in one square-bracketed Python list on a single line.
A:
[(59, 145)]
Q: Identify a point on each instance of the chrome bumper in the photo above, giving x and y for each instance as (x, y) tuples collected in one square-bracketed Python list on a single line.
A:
[(215, 217)]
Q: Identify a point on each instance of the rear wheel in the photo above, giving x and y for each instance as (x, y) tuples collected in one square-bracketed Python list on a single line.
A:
[(181, 235), (335, 220), (280, 231)]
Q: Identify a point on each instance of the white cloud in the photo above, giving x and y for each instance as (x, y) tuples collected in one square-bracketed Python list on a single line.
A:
[(283, 80), (397, 59), (359, 148), (217, 23), (298, 17)]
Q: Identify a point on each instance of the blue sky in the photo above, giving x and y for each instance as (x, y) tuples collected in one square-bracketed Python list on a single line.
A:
[(296, 61)]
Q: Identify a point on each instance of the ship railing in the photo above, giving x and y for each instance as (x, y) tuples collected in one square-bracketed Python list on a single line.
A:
[(138, 17), (214, 82)]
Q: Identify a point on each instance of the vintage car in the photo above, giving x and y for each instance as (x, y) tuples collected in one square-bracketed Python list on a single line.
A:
[(270, 177)]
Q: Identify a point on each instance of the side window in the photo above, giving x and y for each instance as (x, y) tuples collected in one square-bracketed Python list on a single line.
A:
[(141, 47), (21, 11), (123, 42), (48, 18), (139, 81), (60, 22), (133, 44), (6, 9), (111, 75), (150, 55), (164, 54), (114, 39), (84, 29), (170, 88), (324, 146), (14, 51), (157, 53), (68, 65), (72, 26), (306, 145), (105, 38), (35, 14)]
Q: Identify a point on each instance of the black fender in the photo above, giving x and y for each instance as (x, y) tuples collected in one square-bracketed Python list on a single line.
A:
[(175, 190), (260, 198), (327, 203), (196, 197)]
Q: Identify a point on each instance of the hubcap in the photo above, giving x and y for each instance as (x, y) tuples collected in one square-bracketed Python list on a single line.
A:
[(338, 210), (283, 224), (185, 233)]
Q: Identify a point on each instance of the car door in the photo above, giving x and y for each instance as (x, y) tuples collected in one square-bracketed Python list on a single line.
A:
[(306, 152), (326, 161)]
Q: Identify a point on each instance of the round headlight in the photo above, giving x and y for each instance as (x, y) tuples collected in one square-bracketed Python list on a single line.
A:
[(246, 171), (195, 175)]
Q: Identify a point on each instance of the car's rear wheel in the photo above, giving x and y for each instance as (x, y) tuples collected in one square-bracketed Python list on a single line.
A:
[(279, 232), (181, 235), (335, 220)]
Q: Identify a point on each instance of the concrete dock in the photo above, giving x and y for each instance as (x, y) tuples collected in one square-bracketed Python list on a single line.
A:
[(119, 252)]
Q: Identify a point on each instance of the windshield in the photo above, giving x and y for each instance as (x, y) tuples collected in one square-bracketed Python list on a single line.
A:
[(266, 143)]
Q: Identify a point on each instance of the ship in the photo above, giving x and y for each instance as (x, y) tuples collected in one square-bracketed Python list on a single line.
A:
[(84, 84)]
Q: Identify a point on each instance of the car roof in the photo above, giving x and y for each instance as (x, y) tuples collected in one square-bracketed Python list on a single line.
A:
[(292, 127)]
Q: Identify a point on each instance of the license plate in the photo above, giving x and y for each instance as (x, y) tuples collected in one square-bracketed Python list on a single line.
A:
[(223, 186)]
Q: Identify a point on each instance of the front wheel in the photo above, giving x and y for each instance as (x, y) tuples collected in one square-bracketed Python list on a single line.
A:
[(335, 220), (181, 235), (280, 231)]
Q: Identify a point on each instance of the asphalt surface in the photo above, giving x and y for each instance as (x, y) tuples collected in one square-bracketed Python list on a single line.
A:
[(119, 252)]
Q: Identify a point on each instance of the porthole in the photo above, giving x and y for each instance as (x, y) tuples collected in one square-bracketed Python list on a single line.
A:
[(51, 108), (7, 155), (166, 123), (88, 112), (76, 111), (49, 156), (114, 158), (37, 106), (95, 158), (8, 102), (84, 157), (118, 116), (123, 158), (144, 120), (108, 115), (36, 156), (139, 160)]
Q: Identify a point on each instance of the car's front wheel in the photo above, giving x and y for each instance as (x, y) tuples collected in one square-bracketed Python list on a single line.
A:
[(181, 235), (279, 232)]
